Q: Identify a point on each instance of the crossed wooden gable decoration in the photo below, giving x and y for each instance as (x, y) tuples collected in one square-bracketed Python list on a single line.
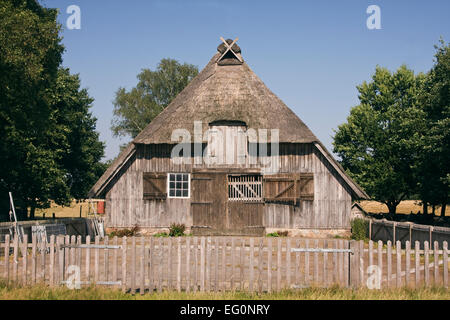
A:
[(229, 48)]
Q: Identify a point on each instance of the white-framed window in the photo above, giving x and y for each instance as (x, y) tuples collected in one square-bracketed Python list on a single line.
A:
[(179, 185)]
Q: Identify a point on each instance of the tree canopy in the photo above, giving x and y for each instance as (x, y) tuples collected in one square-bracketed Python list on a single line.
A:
[(49, 148), (395, 143), (135, 109)]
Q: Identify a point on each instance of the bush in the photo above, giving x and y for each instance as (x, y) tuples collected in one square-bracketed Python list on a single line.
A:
[(125, 232), (360, 229), (177, 230), (278, 234)]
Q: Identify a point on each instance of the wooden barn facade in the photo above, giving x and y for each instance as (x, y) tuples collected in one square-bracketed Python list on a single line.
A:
[(227, 157)]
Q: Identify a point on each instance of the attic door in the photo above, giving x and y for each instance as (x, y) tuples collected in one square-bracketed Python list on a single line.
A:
[(208, 202)]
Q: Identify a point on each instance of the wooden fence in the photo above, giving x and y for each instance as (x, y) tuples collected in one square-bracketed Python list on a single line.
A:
[(139, 264)]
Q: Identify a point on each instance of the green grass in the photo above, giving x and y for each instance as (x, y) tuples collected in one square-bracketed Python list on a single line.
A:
[(93, 293)]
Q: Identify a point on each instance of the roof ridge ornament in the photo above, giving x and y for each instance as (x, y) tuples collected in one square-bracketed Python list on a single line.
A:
[(229, 48)]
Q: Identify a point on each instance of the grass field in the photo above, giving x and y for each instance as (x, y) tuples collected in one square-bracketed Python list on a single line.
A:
[(92, 293), (405, 207)]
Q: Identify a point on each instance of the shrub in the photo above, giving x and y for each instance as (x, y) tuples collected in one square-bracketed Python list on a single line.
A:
[(278, 234), (177, 230), (161, 235), (125, 232), (360, 229), (273, 234)]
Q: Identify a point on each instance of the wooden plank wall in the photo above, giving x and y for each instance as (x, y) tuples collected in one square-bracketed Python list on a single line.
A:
[(330, 209)]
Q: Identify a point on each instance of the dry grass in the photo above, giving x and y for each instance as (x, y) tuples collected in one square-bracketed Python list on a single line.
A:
[(92, 293), (405, 207), (73, 211)]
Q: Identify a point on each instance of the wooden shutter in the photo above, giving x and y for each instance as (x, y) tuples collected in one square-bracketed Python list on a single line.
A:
[(288, 187), (155, 185), (306, 187)]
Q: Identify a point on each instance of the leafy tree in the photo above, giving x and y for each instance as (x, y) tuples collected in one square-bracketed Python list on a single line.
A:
[(135, 109), (49, 148), (30, 53), (378, 145), (433, 166)]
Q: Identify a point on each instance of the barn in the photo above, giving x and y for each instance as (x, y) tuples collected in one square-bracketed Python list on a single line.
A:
[(228, 157)]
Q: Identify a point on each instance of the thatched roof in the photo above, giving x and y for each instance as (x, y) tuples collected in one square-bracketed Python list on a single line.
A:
[(230, 92), (225, 90)]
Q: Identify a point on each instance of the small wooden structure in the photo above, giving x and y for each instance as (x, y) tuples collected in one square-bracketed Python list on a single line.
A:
[(228, 157)]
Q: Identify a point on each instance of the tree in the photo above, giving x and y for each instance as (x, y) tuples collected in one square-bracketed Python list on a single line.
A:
[(135, 109), (30, 53), (378, 145), (433, 166), (49, 148)]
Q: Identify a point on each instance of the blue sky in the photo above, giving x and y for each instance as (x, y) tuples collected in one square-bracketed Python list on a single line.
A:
[(312, 54)]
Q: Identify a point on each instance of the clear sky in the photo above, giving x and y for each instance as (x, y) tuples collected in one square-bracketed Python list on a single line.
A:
[(312, 54)]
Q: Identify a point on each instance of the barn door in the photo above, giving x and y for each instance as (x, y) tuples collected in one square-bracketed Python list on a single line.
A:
[(245, 205), (289, 187), (208, 202)]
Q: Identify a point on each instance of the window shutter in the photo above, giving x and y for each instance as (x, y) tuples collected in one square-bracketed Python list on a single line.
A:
[(288, 187), (155, 186), (306, 188)]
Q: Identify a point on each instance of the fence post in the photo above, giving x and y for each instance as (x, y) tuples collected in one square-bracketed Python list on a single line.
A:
[(142, 271), (380, 260), (408, 263), (52, 260), (436, 262), (417, 262), (389, 263), (252, 270), (24, 259), (427, 263), (202, 264), (269, 265), (398, 251)]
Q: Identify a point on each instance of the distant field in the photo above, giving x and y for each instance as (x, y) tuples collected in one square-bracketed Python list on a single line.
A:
[(65, 212), (405, 207)]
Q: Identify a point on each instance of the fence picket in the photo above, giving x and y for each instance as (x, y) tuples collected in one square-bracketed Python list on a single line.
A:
[(115, 260), (380, 259), (252, 266), (133, 265), (408, 263), (279, 264), (427, 263), (179, 265), (417, 263), (16, 257), (216, 265), (7, 244), (361, 263), (269, 265), (325, 264), (398, 276), (142, 266), (436, 262), (124, 264), (96, 259), (188, 264), (52, 260), (106, 260), (306, 263), (24, 259), (389, 263), (224, 263), (88, 259), (316, 263), (202, 264), (241, 264), (445, 260)]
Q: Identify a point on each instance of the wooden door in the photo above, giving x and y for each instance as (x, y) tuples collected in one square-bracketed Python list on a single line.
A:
[(208, 202)]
